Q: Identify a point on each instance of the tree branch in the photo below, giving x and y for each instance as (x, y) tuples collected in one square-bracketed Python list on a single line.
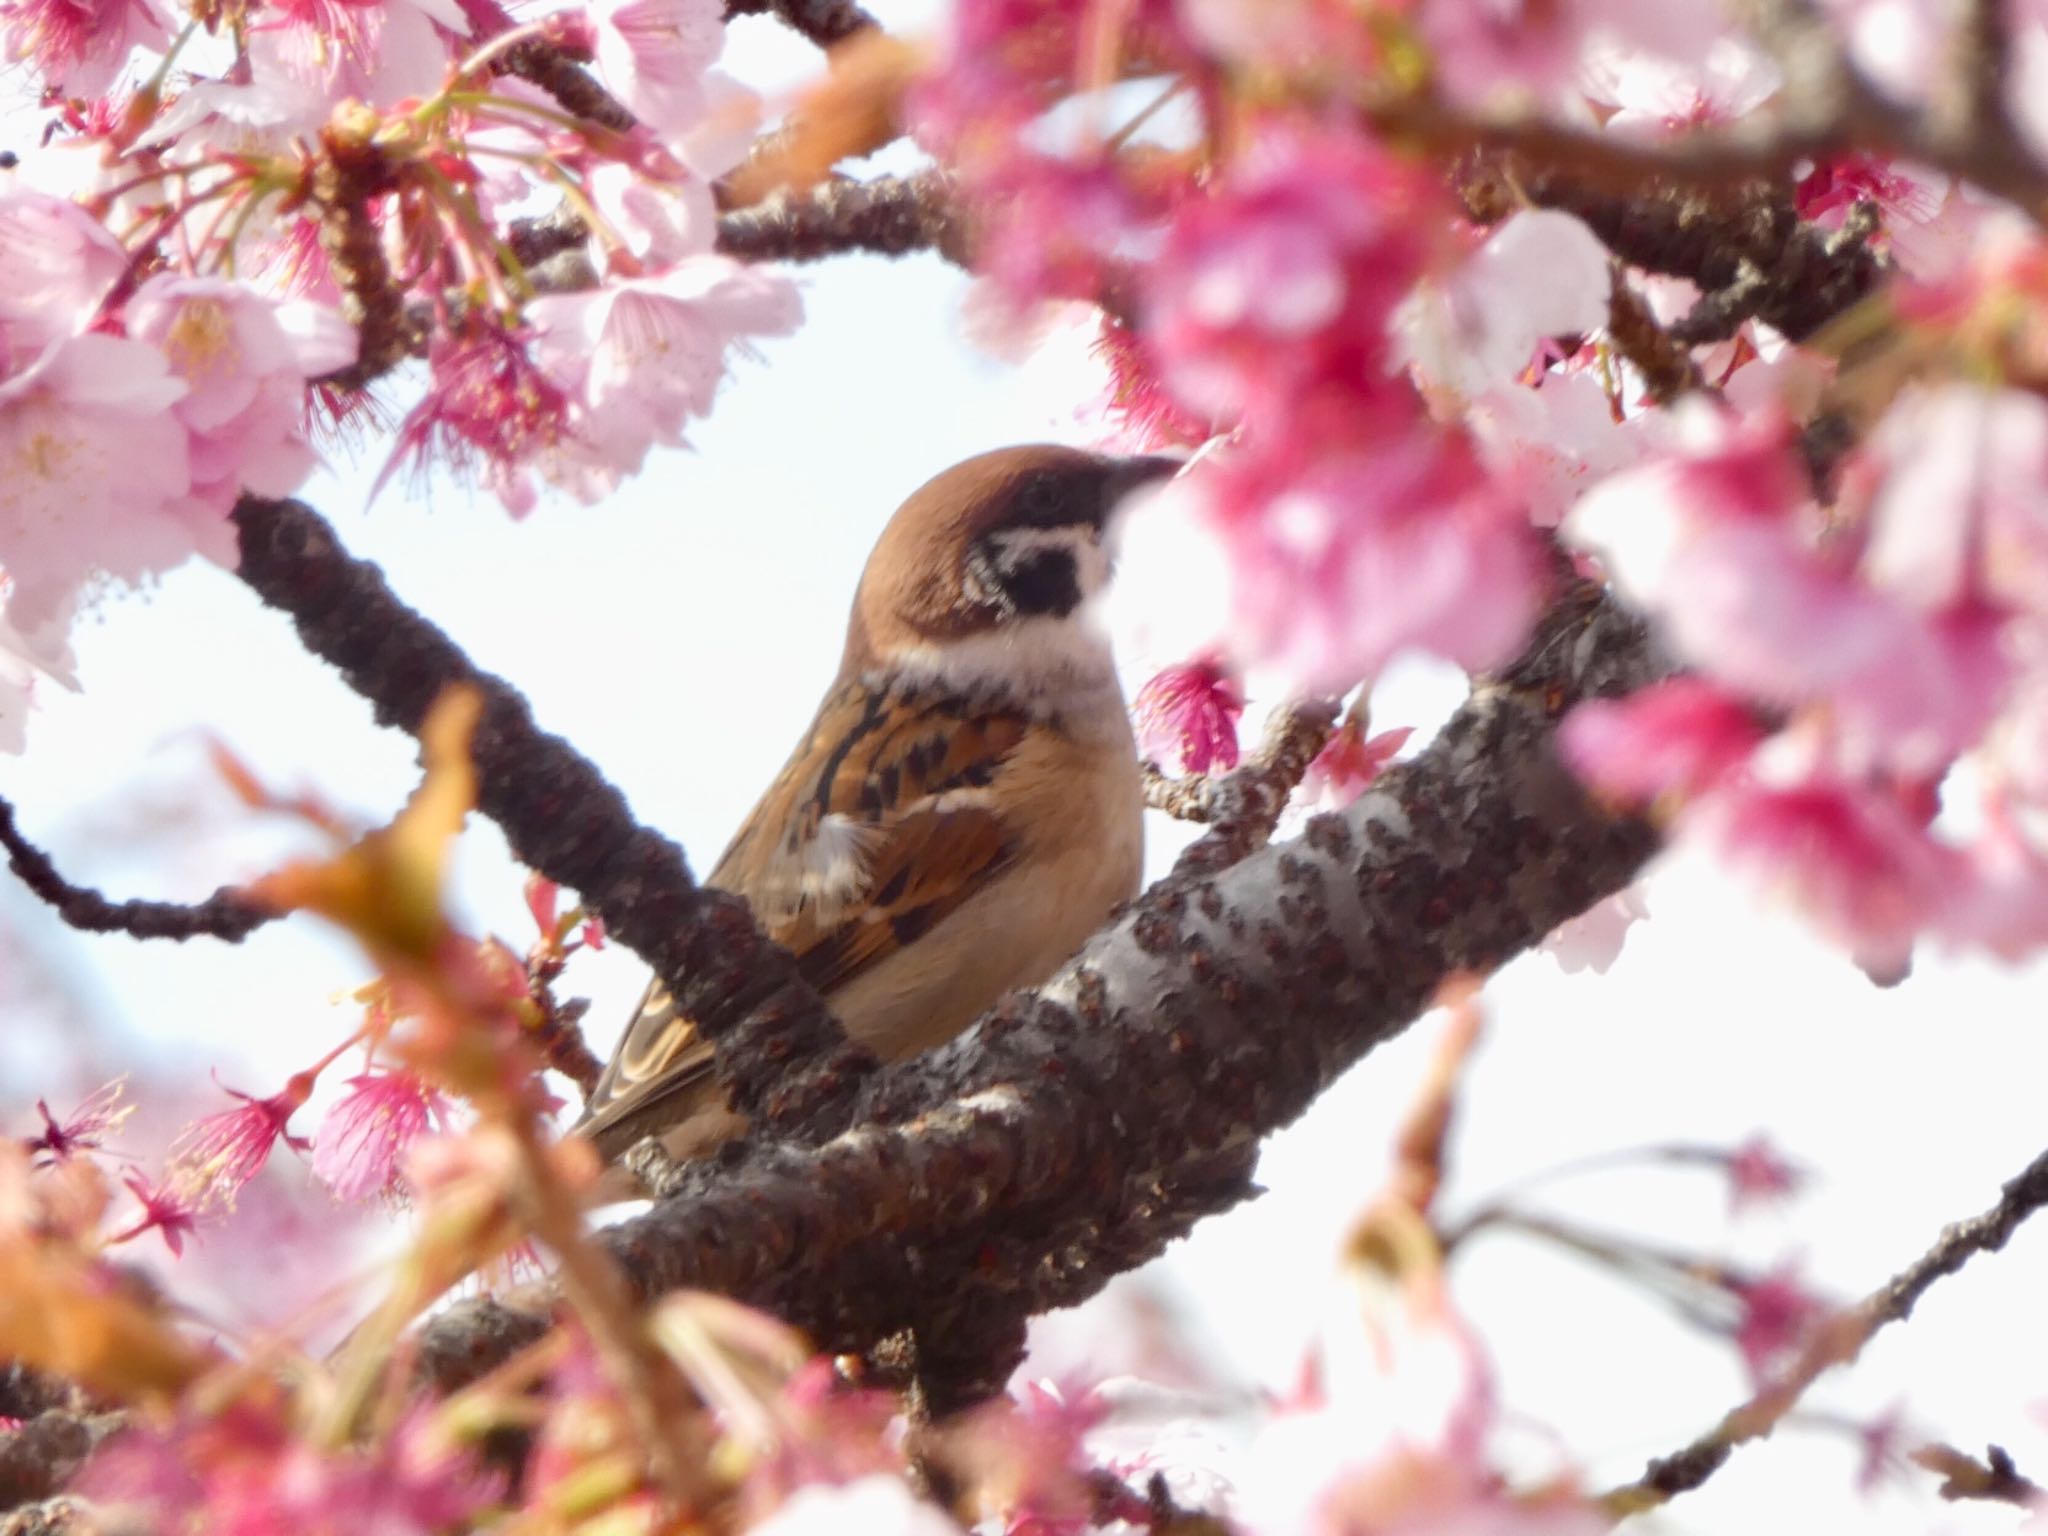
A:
[(1079, 1128), (563, 819), (226, 914), (1836, 1342), (824, 22)]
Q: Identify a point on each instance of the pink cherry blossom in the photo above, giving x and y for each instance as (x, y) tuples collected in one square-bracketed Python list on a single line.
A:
[(1349, 762), (1188, 714), (489, 410), (1853, 856), (376, 51), (57, 263), (1777, 1311), (95, 472), (1289, 271), (85, 1128), (653, 54), (366, 1134), (641, 356), (245, 360), (212, 1159), (1343, 555), (1759, 1174), (166, 1208), (1679, 737), (79, 45)]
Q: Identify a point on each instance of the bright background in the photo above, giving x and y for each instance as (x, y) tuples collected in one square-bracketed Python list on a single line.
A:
[(680, 635)]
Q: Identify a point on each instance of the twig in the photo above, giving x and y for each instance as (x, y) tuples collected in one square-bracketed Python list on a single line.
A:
[(824, 22), (1837, 1341), (226, 914), (889, 215), (563, 819), (1191, 797), (1964, 1477), (1665, 363), (1244, 806), (543, 63)]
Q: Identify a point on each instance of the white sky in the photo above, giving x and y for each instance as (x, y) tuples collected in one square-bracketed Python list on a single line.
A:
[(646, 632)]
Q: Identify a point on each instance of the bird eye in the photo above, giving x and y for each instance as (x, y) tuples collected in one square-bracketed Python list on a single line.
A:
[(1041, 500)]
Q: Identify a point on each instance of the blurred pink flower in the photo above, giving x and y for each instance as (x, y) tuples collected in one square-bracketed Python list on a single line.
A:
[(1187, 714), (653, 55), (98, 1117), (1593, 940), (380, 52), (1679, 737), (1758, 1174), (1349, 762), (1777, 1312), (1289, 271), (1854, 856), (79, 46), (57, 263), (367, 1132), (211, 1159), (1359, 530), (166, 1208)]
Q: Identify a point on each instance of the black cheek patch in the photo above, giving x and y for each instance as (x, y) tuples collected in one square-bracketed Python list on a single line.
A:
[(1040, 581)]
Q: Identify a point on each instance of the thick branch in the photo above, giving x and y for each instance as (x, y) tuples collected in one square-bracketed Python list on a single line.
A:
[(1077, 1129), (226, 914), (565, 820), (1837, 1342), (889, 215)]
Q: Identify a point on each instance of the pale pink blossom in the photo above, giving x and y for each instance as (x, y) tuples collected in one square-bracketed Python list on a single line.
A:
[(641, 356), (1655, 94), (245, 360), (660, 221), (653, 54), (57, 263), (366, 1134), (489, 410), (1593, 940), (1187, 715), (27, 661), (79, 46), (95, 472), (376, 51)]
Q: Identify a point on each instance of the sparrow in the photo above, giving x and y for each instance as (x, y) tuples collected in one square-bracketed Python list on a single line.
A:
[(965, 809)]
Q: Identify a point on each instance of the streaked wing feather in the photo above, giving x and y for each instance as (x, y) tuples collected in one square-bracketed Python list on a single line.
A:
[(876, 829)]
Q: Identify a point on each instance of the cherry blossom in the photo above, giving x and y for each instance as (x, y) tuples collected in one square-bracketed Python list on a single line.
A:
[(880, 1501), (326, 51), (1759, 1174), (1777, 1311), (57, 263), (80, 45), (213, 1158), (100, 1115), (1188, 715), (1349, 762), (643, 355), (366, 1134), (654, 54), (166, 1208)]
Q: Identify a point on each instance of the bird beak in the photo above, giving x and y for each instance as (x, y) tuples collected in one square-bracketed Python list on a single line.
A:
[(1127, 475)]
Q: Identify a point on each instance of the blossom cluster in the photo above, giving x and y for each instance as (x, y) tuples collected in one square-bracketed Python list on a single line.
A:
[(240, 218), (1396, 407)]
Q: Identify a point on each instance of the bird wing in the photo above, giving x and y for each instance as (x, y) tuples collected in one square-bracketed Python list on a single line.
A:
[(881, 824)]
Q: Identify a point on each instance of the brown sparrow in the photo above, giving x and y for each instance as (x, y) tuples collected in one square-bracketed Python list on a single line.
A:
[(965, 809)]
